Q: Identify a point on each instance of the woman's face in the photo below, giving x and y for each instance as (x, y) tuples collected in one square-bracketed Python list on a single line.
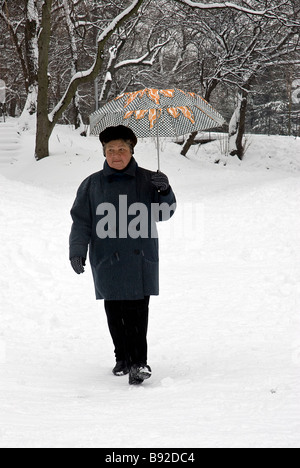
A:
[(118, 154)]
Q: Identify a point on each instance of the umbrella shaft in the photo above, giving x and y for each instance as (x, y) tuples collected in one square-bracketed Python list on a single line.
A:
[(158, 148)]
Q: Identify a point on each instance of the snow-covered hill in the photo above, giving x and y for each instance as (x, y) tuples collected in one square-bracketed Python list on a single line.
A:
[(224, 334)]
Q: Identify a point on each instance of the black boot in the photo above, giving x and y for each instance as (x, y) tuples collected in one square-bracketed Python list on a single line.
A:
[(121, 369), (138, 374)]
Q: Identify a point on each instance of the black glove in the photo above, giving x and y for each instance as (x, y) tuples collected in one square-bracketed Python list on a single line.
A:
[(78, 264), (160, 181)]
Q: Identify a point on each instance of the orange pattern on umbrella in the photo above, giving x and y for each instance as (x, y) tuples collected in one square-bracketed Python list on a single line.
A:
[(174, 112), (140, 114), (128, 114), (133, 96), (153, 94), (154, 115), (168, 92), (187, 113)]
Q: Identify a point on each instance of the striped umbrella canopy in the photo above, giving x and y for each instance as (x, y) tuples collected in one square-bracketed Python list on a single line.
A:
[(157, 113)]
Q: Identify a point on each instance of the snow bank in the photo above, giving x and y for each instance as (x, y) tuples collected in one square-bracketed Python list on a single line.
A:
[(224, 334)]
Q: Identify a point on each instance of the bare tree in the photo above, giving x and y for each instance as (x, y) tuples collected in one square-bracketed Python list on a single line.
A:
[(23, 30), (46, 121), (235, 48)]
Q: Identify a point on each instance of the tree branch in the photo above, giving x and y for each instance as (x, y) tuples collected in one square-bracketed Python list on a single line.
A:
[(13, 32), (222, 6), (141, 60), (83, 77), (271, 13)]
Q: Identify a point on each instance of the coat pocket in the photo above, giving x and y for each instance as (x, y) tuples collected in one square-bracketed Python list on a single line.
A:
[(107, 277), (150, 277)]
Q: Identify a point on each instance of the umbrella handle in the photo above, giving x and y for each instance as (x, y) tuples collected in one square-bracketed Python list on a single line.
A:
[(158, 171)]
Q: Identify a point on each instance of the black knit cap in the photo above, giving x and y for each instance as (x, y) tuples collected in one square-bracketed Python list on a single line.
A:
[(118, 133)]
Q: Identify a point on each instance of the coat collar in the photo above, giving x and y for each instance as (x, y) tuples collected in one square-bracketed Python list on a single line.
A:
[(129, 171)]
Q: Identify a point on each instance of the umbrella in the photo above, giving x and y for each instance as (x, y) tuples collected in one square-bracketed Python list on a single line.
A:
[(157, 113)]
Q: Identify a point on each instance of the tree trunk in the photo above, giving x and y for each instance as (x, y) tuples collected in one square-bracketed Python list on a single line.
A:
[(44, 130), (44, 126), (31, 47), (189, 142), (31, 101), (237, 124), (78, 121), (237, 127), (110, 71)]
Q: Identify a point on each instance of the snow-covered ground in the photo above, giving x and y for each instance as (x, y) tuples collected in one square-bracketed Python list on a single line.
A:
[(224, 334)]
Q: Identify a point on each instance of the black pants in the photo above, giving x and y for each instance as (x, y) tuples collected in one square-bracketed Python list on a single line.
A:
[(128, 325)]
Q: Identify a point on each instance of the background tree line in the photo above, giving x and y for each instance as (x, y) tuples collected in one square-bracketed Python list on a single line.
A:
[(243, 57)]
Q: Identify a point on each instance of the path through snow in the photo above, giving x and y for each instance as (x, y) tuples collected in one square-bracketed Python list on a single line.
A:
[(224, 334)]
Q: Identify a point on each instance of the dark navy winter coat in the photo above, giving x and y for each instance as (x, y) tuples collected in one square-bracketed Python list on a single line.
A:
[(125, 265)]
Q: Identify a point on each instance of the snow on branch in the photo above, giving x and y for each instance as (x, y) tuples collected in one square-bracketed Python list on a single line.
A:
[(156, 48), (118, 21), (230, 5), (83, 77)]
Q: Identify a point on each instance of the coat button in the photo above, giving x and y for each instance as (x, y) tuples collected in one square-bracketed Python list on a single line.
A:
[(137, 252)]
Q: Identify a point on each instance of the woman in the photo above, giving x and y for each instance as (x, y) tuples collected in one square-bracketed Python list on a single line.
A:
[(114, 216)]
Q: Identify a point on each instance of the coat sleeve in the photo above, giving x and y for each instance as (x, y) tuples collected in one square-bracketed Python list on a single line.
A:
[(167, 204), (82, 222)]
